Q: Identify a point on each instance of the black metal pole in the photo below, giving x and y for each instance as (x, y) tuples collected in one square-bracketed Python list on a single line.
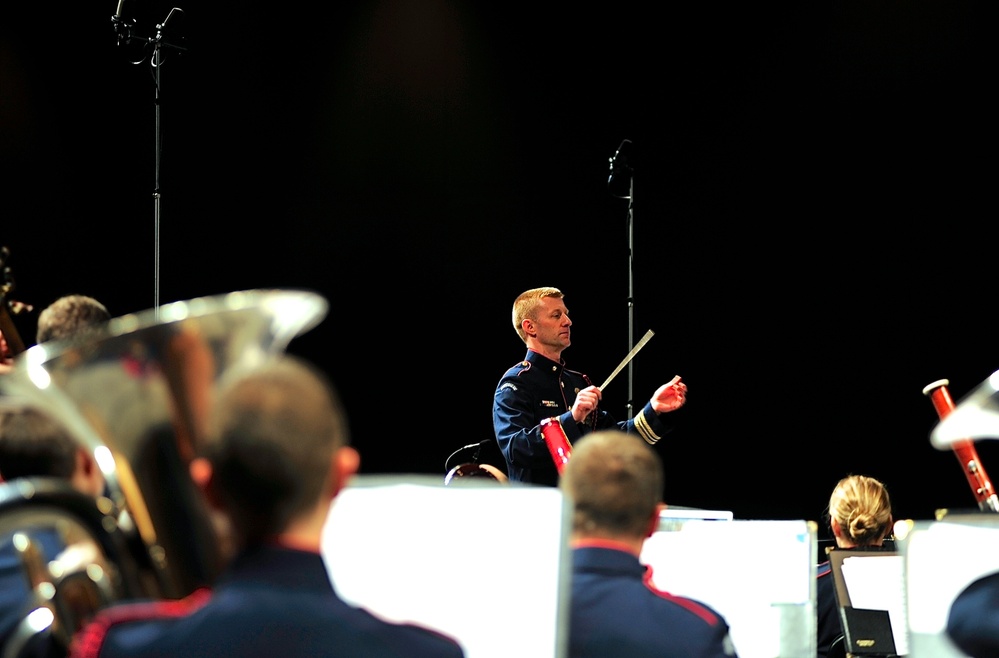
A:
[(631, 294), (621, 184), (157, 68), (124, 29)]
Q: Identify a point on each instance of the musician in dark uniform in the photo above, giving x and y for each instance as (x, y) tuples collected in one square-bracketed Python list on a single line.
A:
[(860, 517), (973, 618), (614, 483), (34, 445), (541, 387), (275, 459), (829, 628)]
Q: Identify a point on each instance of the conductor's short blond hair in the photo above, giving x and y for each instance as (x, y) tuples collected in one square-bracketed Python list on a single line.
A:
[(527, 303)]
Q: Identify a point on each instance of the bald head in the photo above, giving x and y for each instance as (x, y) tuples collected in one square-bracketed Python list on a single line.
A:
[(615, 483)]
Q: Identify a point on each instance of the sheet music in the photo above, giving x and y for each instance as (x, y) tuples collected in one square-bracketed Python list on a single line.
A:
[(878, 583), (767, 596), (410, 549)]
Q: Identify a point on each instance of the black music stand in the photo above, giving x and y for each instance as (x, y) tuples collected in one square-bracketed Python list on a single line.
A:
[(866, 632)]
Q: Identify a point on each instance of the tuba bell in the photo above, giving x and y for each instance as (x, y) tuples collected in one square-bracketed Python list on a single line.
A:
[(136, 393)]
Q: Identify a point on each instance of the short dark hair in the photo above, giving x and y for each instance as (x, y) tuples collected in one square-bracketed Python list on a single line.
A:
[(271, 439), (614, 481), (33, 444), (68, 316)]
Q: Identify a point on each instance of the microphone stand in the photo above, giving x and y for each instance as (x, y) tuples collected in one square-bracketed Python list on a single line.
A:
[(620, 168), (124, 30), (631, 294)]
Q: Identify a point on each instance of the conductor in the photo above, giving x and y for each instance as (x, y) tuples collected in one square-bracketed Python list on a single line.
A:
[(541, 387)]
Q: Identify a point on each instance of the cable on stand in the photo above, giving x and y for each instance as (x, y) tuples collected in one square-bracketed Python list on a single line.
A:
[(158, 41), (621, 184), (473, 468)]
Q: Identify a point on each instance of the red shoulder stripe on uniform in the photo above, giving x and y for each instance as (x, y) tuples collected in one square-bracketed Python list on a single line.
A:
[(689, 604), (87, 642)]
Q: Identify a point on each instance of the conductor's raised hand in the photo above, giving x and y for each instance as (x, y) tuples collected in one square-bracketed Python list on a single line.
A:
[(670, 396), (586, 401)]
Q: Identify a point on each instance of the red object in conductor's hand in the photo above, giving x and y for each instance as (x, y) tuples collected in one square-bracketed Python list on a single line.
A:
[(557, 442)]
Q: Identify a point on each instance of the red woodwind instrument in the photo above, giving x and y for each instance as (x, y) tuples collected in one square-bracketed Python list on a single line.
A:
[(967, 455), (557, 442)]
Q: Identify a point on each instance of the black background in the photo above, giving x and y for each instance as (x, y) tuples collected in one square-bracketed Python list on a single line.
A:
[(813, 195)]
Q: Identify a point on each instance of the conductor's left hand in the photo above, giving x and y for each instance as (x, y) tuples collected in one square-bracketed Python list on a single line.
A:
[(670, 396)]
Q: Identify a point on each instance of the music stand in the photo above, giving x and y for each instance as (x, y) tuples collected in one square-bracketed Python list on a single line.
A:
[(867, 624)]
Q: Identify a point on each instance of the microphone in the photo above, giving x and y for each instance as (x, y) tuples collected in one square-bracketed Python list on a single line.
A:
[(619, 180), (475, 445), (122, 26), (176, 11)]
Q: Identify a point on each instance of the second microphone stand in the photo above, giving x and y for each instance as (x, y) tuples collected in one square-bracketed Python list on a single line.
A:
[(621, 184), (158, 41)]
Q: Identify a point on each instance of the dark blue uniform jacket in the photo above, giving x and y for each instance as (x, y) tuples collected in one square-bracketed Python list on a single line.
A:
[(538, 388), (272, 602), (973, 619), (617, 611), (829, 625), (16, 597)]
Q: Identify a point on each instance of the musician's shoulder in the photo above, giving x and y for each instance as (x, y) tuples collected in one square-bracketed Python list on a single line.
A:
[(510, 380), (518, 368)]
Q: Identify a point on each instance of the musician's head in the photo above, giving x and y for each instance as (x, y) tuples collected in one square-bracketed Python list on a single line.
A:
[(277, 450), (860, 512), (614, 482), (68, 316), (34, 444), (541, 318)]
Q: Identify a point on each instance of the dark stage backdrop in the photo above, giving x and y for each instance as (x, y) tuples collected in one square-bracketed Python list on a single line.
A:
[(812, 197)]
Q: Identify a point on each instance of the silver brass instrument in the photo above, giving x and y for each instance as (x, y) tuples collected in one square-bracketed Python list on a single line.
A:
[(95, 568), (135, 394)]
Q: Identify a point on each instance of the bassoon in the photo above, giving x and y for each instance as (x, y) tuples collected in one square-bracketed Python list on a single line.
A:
[(967, 455), (557, 442)]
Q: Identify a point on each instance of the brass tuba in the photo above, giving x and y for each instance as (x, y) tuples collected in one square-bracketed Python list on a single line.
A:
[(135, 394)]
